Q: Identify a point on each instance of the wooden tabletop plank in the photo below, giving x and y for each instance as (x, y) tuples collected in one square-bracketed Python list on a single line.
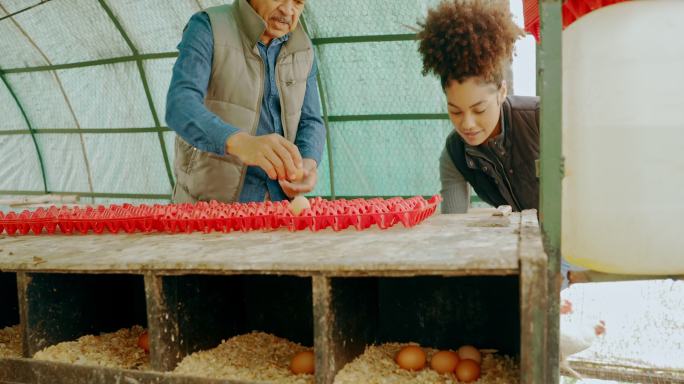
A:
[(474, 243)]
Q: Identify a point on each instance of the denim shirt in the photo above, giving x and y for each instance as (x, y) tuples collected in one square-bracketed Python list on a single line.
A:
[(188, 116)]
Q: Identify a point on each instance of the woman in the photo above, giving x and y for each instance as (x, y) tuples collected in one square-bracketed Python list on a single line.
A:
[(469, 45)]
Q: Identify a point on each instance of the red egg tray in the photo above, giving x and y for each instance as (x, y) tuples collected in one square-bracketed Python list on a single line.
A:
[(572, 11), (222, 217)]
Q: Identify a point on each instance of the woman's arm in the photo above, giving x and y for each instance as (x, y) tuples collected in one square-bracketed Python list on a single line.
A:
[(455, 191)]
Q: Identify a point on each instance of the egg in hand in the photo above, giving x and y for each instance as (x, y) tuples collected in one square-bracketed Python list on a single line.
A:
[(299, 204)]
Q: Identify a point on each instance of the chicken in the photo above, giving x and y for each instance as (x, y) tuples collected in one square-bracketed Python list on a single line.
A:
[(576, 336)]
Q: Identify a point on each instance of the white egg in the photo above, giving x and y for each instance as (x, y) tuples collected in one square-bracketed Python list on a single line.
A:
[(298, 204)]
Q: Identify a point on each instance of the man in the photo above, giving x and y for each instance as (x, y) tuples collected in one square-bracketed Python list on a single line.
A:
[(244, 103)]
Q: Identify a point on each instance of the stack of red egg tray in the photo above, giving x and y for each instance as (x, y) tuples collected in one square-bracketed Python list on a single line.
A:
[(572, 11), (214, 216)]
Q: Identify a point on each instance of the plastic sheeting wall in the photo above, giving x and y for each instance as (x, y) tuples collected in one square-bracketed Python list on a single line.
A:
[(77, 117)]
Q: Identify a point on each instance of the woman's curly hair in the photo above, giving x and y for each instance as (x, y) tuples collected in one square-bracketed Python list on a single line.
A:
[(468, 38)]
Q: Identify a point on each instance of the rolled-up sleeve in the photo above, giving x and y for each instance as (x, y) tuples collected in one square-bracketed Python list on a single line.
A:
[(455, 192), (186, 112), (311, 131)]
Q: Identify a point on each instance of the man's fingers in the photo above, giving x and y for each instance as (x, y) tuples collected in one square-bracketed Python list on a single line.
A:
[(266, 165), (303, 187), (279, 158), (284, 184), (288, 161), (277, 164), (294, 152)]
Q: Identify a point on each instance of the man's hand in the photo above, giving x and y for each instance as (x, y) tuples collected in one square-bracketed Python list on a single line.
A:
[(279, 158), (306, 184)]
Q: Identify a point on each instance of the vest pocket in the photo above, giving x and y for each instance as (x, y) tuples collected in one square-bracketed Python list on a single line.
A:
[(203, 176), (214, 177), (185, 155)]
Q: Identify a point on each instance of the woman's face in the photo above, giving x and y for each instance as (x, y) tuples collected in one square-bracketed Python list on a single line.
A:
[(475, 109)]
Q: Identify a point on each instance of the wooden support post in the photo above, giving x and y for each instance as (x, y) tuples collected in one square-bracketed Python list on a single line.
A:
[(22, 288), (549, 88), (533, 301), (162, 321), (345, 312), (324, 345)]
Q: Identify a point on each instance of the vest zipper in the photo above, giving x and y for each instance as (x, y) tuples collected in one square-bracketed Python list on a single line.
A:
[(508, 183), (261, 95), (243, 172), (283, 111)]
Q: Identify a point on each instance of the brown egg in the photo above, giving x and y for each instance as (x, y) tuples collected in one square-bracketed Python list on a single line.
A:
[(470, 352), (298, 204), (144, 341), (444, 361), (411, 358), (303, 362), (467, 371)]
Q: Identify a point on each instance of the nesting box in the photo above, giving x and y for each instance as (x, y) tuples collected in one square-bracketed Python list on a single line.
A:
[(455, 279)]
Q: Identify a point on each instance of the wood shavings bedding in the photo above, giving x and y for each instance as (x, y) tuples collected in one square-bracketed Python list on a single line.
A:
[(255, 356), (114, 350), (10, 342), (376, 365)]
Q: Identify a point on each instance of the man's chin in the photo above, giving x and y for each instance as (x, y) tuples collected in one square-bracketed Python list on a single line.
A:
[(278, 32)]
